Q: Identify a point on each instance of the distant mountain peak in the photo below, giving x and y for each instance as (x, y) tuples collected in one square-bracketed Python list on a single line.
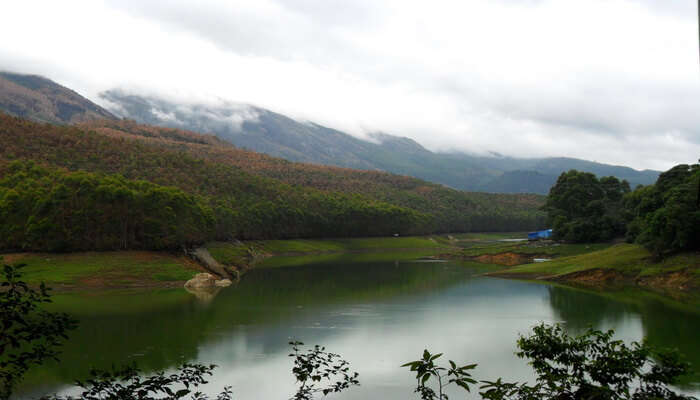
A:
[(41, 99)]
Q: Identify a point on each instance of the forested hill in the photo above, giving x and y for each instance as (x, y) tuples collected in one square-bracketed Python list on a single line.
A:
[(119, 185), (40, 99), (278, 135)]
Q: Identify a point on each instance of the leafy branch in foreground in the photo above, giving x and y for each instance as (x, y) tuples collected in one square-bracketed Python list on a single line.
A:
[(316, 365), (425, 368), (129, 383), (28, 336), (310, 369), (590, 366)]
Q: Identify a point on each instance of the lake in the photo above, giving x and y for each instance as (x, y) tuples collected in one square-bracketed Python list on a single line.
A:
[(377, 311)]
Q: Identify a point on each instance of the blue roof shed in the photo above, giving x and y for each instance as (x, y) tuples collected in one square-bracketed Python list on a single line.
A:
[(545, 234)]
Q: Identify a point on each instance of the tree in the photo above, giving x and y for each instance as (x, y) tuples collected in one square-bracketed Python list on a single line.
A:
[(583, 208), (129, 383), (590, 366), (316, 365), (425, 368), (28, 335), (665, 217)]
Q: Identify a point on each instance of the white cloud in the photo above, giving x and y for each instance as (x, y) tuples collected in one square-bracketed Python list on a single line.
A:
[(614, 81)]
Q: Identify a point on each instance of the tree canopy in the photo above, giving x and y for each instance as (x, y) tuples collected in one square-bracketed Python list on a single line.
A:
[(663, 217), (582, 208)]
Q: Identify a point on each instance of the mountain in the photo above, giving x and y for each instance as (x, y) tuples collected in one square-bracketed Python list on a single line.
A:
[(42, 100), (275, 134), (249, 127)]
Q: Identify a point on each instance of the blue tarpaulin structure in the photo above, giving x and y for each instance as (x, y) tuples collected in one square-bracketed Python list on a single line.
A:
[(545, 234)]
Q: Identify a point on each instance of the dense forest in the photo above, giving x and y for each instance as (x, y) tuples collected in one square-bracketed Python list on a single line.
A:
[(663, 217), (57, 183)]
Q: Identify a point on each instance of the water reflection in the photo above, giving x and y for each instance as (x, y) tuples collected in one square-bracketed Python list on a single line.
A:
[(378, 315), (664, 325)]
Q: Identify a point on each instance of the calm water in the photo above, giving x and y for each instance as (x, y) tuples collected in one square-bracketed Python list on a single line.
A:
[(377, 314)]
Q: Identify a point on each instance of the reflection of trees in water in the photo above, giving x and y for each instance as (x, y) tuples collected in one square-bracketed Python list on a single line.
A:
[(159, 337), (668, 328), (582, 309), (663, 326)]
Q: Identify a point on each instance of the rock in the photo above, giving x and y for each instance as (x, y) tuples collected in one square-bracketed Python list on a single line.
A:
[(223, 283), (205, 294), (203, 280)]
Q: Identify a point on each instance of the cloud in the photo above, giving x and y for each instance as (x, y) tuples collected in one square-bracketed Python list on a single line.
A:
[(614, 81)]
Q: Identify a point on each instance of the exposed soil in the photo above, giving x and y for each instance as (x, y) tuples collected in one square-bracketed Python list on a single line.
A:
[(676, 281), (96, 283), (13, 257), (593, 277), (508, 259)]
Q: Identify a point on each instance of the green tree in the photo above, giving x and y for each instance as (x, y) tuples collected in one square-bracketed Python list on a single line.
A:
[(665, 217), (28, 335), (583, 208), (591, 366)]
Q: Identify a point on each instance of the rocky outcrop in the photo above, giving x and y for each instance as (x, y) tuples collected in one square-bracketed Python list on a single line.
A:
[(223, 283), (205, 281), (201, 281)]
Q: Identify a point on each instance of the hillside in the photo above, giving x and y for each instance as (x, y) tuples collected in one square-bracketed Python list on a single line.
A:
[(115, 168), (40, 99), (275, 134)]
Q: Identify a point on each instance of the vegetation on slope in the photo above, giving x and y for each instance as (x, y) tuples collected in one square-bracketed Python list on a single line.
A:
[(452, 210), (227, 193)]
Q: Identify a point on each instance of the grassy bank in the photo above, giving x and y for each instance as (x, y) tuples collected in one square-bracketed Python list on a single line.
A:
[(245, 254), (134, 269), (621, 263), (115, 269)]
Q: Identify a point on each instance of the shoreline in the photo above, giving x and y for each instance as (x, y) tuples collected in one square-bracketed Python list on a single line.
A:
[(597, 266)]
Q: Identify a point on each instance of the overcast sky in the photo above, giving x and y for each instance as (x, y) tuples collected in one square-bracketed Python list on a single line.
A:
[(613, 81)]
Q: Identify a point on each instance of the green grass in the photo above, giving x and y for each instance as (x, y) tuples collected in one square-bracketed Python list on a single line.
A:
[(345, 245), (364, 257), (240, 253), (120, 268), (490, 235), (629, 259), (539, 248), (229, 253)]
